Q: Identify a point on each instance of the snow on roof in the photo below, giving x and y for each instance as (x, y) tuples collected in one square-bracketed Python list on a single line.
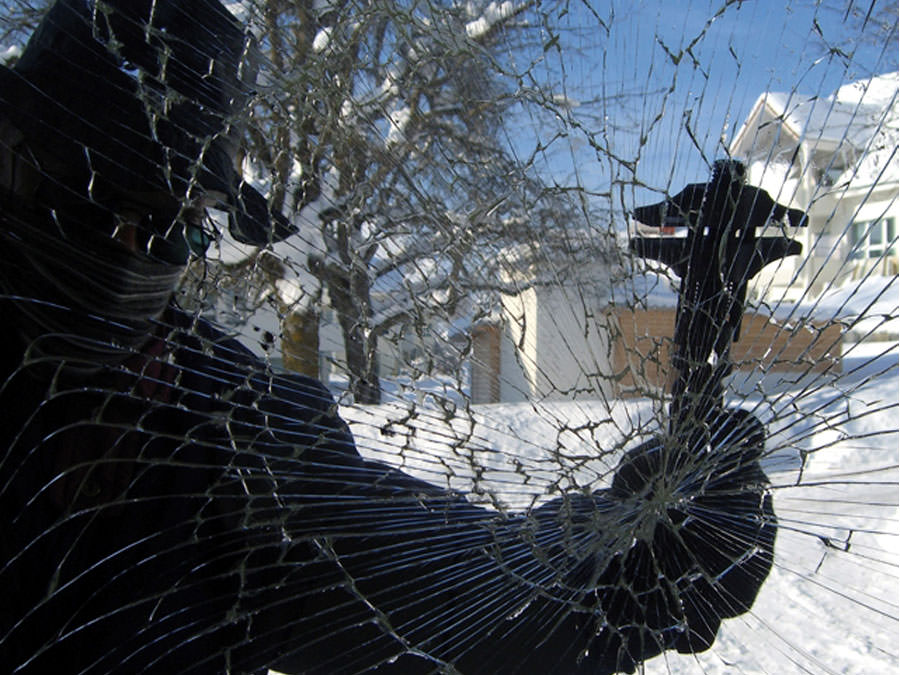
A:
[(867, 306), (645, 291), (880, 90), (862, 115), (854, 113)]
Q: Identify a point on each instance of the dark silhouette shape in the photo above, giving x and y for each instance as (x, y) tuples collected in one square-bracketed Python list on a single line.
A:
[(117, 108), (171, 505), (715, 261)]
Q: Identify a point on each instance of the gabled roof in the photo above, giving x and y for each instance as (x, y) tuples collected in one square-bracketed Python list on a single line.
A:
[(861, 117)]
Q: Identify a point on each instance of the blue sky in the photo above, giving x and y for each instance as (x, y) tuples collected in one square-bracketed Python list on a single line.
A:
[(687, 109), (616, 57)]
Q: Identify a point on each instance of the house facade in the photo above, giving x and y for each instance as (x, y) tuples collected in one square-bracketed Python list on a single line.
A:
[(835, 158)]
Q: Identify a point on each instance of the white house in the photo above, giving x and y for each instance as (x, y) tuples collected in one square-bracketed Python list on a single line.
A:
[(834, 157), (550, 339)]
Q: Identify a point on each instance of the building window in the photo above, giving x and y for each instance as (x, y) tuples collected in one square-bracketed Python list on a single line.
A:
[(874, 238)]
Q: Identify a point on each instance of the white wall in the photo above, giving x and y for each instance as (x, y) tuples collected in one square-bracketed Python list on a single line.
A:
[(573, 347), (518, 345), (555, 344)]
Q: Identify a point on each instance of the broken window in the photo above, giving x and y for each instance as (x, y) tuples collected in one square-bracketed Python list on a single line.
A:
[(448, 337)]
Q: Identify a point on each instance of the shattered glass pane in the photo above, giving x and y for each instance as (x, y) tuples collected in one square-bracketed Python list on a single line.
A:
[(459, 337)]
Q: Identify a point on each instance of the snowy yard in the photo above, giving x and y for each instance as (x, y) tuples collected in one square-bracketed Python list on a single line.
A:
[(830, 603)]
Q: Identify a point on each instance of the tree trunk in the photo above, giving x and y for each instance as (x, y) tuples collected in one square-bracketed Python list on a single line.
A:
[(362, 363), (351, 301), (300, 342)]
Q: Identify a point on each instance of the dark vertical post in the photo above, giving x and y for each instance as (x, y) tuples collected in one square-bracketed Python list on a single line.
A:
[(720, 254)]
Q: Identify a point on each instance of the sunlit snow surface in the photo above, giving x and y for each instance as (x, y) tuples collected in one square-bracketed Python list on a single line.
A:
[(823, 609)]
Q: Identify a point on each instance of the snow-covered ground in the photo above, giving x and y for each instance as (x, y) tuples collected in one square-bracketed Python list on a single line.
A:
[(825, 609), (830, 603)]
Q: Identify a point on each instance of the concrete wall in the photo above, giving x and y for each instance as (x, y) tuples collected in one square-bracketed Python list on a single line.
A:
[(626, 353)]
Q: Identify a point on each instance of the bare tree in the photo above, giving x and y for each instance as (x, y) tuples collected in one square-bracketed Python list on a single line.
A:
[(389, 114)]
